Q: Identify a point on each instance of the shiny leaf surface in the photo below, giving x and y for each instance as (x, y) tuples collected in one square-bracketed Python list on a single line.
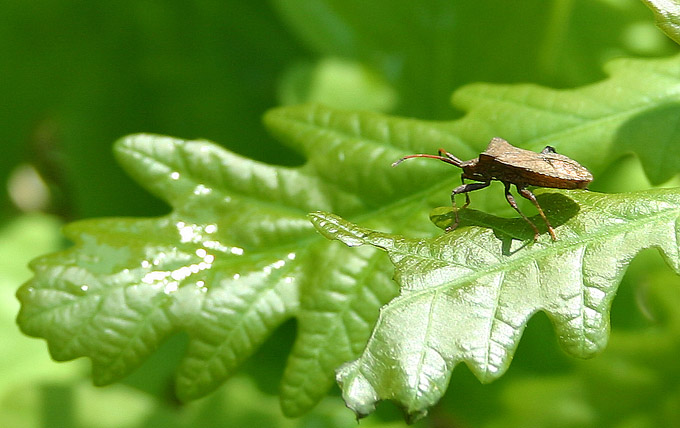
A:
[(226, 266), (237, 255), (467, 295)]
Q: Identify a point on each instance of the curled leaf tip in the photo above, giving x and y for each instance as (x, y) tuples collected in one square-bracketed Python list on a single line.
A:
[(333, 227)]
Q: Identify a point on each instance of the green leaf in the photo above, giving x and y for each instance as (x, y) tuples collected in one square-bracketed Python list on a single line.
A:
[(628, 112), (467, 295), (636, 378), (237, 255), (667, 16), (20, 240), (337, 83), (226, 266)]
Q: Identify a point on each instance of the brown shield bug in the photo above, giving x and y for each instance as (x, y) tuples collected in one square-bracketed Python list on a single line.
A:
[(511, 165)]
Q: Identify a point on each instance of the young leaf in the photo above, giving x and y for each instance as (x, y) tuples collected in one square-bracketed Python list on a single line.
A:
[(636, 378), (237, 255), (466, 295), (225, 266)]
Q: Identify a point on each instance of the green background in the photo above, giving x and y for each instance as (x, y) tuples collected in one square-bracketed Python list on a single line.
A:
[(77, 75)]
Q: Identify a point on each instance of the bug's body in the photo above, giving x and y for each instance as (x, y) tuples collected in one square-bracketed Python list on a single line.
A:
[(511, 165), (504, 162)]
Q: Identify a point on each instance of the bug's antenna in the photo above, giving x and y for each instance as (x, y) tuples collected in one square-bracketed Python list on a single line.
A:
[(441, 158)]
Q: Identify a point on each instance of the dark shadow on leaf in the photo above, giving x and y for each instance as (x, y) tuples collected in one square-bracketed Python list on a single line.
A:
[(557, 207)]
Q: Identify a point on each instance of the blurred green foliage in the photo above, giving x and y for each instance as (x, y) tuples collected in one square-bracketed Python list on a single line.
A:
[(77, 75)]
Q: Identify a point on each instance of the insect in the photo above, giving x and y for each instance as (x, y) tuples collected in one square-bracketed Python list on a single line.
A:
[(511, 165)]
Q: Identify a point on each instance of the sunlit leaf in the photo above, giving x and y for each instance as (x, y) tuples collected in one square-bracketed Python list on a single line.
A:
[(466, 295), (225, 266), (237, 255), (636, 378)]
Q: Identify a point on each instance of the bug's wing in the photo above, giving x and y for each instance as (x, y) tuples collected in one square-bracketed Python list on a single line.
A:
[(501, 154), (565, 168), (547, 169)]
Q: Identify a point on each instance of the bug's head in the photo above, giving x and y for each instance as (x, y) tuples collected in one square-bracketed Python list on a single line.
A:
[(472, 171)]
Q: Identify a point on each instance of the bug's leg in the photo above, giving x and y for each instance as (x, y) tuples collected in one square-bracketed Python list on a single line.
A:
[(463, 188), (467, 194), (530, 196), (511, 201), (548, 149)]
